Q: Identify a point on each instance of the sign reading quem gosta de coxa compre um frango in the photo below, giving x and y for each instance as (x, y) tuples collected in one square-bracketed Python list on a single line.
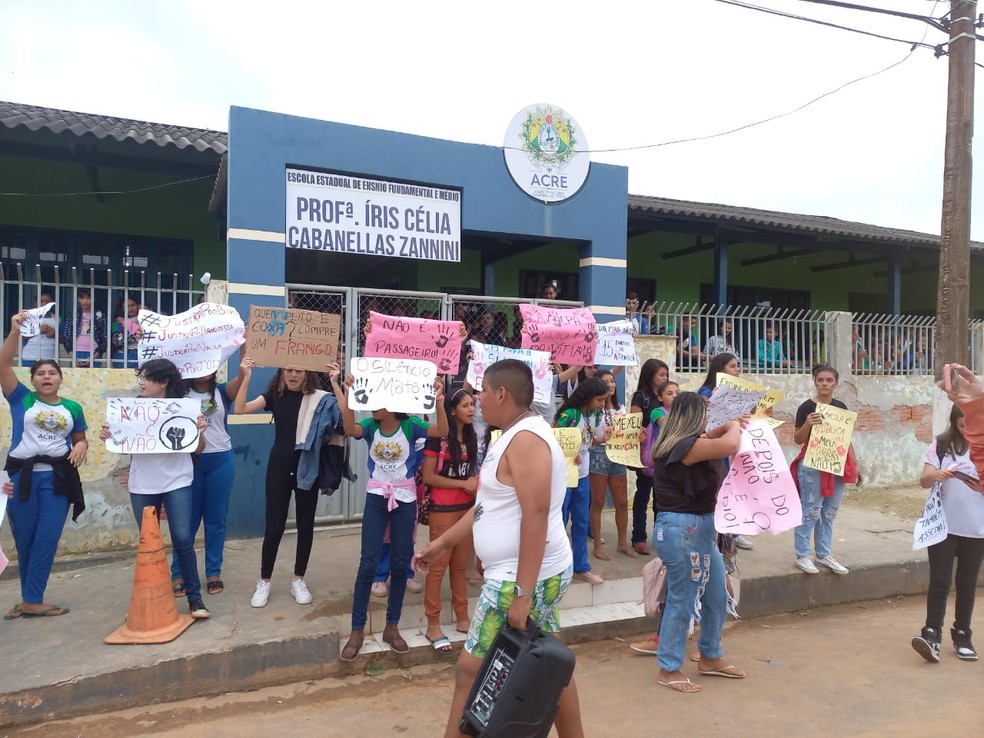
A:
[(345, 214)]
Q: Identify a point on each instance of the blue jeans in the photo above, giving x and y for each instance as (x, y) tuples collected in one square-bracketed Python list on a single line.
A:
[(577, 508), (210, 491), (37, 524), (383, 570), (695, 587), (818, 512), (374, 519), (177, 503)]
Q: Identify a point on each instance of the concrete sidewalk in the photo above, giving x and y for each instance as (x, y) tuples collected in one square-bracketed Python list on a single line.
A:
[(60, 667)]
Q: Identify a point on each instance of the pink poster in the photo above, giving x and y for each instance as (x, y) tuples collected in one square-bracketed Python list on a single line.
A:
[(759, 492), (436, 341), (569, 334)]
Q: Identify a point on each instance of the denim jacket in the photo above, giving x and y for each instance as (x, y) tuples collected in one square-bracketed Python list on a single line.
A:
[(326, 417)]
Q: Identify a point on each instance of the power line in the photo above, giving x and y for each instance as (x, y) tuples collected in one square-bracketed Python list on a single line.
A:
[(899, 14), (97, 193)]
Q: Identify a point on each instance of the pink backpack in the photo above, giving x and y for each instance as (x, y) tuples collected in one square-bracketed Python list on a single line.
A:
[(653, 587)]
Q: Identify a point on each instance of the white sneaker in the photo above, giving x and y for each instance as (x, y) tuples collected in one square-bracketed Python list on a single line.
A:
[(833, 564), (807, 565), (301, 593), (742, 542), (261, 594)]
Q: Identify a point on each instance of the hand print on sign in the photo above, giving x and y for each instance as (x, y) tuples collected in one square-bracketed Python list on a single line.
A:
[(483, 356), (398, 385), (420, 339), (360, 390), (569, 334)]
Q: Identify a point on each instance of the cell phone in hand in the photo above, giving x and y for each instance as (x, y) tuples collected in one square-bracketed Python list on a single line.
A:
[(964, 477)]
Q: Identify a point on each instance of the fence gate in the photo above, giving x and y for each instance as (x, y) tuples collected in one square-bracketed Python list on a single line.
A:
[(354, 306)]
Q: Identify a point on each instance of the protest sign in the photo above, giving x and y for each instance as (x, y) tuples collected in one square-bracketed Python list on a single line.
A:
[(770, 398), (830, 441), (729, 403), (570, 335), (32, 321), (152, 425), (759, 492), (198, 341), (623, 446), (292, 339), (437, 341), (616, 344), (569, 440), (931, 528), (485, 355), (398, 385)]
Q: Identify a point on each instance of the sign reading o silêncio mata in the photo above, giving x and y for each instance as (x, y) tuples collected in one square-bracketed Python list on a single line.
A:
[(346, 214), (546, 153)]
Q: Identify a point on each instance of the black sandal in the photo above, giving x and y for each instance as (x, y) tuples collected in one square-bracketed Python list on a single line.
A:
[(214, 586), (178, 586)]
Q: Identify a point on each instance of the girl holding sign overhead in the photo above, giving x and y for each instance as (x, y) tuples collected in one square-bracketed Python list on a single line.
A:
[(948, 463), (46, 449), (820, 492), (391, 500), (165, 479), (577, 412), (302, 415)]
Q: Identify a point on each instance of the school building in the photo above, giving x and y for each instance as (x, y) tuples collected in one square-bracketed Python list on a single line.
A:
[(321, 215)]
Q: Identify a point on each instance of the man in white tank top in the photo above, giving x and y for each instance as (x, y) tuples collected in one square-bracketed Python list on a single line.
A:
[(518, 532)]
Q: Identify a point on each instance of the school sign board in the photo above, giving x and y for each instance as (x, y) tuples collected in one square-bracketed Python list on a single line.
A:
[(346, 214)]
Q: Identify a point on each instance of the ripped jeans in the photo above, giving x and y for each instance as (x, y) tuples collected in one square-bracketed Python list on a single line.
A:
[(695, 588), (818, 513)]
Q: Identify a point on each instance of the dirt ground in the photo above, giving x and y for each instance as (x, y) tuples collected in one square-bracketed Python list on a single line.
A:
[(845, 671), (905, 502)]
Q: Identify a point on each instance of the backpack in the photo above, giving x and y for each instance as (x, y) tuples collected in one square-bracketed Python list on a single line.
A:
[(653, 587), (649, 435), (424, 490)]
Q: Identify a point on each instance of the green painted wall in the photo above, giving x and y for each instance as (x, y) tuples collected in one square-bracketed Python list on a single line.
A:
[(560, 258), (179, 212)]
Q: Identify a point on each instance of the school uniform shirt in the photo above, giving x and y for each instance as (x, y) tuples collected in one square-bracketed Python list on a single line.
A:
[(602, 420), (155, 474), (963, 507), (40, 429), (449, 499), (393, 458), (574, 418), (216, 412)]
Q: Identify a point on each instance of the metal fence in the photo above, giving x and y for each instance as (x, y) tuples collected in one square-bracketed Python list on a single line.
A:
[(892, 344), (94, 318), (766, 340)]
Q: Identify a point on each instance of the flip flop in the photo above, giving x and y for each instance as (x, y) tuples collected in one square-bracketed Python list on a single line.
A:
[(179, 588), (14, 613), (215, 586), (674, 685), (441, 644), (48, 613), (728, 672)]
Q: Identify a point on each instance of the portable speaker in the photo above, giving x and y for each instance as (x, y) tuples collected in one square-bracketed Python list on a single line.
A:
[(518, 687)]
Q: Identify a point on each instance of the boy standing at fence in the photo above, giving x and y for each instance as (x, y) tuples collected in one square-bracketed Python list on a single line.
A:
[(518, 532)]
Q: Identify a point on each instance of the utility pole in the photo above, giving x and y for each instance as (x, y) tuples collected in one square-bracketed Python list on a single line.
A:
[(953, 289)]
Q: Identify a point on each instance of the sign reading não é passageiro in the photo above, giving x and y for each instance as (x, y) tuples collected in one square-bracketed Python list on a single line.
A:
[(292, 339), (346, 214)]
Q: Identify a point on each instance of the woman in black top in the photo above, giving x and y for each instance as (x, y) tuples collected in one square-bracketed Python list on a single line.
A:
[(686, 478), (653, 373)]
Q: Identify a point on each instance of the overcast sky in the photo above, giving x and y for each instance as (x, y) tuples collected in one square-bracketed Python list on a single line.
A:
[(631, 73)]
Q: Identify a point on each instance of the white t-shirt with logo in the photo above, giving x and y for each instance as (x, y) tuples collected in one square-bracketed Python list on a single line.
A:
[(963, 507), (395, 458), (40, 429), (155, 474), (217, 435)]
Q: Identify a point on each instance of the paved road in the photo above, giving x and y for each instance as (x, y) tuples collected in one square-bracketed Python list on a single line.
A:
[(846, 671)]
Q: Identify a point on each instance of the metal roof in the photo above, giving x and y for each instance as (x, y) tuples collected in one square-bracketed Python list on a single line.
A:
[(817, 225), (34, 118)]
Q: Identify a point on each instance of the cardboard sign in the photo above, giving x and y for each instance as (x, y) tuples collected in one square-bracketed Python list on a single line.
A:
[(152, 425), (292, 339), (729, 402), (437, 341), (397, 385), (198, 341), (32, 322), (759, 492), (623, 447), (616, 344), (484, 355), (830, 441), (932, 527), (569, 440), (570, 335)]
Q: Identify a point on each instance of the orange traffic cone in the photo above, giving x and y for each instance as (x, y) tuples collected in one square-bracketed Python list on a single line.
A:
[(153, 615)]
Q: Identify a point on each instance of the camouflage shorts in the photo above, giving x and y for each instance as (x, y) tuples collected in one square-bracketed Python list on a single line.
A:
[(495, 599)]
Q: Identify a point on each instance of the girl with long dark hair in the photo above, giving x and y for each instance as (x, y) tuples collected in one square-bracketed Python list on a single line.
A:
[(450, 470), (165, 480), (948, 463), (576, 412), (48, 434), (687, 475), (302, 415), (653, 373), (726, 363)]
